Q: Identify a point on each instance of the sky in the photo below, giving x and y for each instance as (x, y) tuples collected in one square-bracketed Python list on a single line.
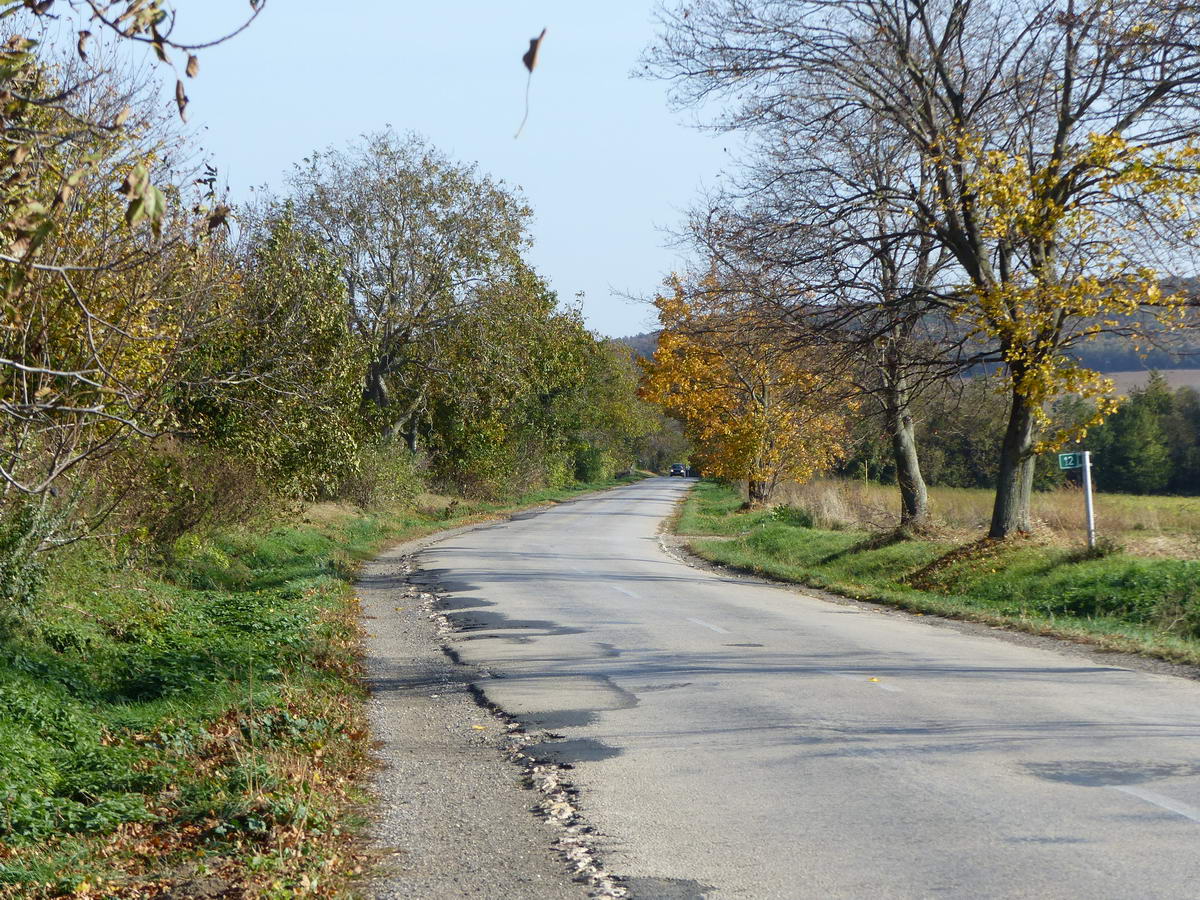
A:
[(604, 163)]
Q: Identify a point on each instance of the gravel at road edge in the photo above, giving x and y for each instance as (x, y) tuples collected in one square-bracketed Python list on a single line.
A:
[(456, 794)]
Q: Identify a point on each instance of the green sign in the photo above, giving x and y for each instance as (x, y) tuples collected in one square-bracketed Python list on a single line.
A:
[(1070, 460)]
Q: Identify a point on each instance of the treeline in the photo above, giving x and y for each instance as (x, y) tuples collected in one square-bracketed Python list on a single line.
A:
[(1150, 445), (170, 363), (931, 190)]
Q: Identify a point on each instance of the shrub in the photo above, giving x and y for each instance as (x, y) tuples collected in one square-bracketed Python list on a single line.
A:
[(792, 515), (173, 488), (388, 473), (22, 570), (593, 464)]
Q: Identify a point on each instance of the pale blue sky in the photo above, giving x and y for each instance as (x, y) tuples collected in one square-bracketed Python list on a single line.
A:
[(604, 163)]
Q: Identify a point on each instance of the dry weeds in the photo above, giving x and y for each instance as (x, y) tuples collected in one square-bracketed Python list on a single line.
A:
[(1149, 526)]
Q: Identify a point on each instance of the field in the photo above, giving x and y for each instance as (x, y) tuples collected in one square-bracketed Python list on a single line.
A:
[(1146, 526), (1043, 583), (1176, 378)]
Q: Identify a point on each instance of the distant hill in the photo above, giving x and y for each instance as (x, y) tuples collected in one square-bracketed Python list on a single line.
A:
[(643, 345), (1178, 352)]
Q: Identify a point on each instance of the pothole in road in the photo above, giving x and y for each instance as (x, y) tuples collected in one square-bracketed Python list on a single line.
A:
[(569, 752), (668, 888)]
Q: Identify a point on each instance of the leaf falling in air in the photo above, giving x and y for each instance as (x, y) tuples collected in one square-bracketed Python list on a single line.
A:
[(181, 100), (530, 59), (193, 67), (531, 55), (82, 45)]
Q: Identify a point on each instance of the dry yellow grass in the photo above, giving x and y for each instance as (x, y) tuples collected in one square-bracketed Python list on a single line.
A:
[(1159, 526)]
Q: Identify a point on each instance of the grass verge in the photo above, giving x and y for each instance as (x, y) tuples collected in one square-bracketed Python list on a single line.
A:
[(197, 728), (1118, 601)]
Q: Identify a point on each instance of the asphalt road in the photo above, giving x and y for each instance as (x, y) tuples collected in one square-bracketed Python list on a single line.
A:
[(733, 739)]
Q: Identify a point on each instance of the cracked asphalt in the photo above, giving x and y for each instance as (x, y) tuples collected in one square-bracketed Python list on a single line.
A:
[(730, 738), (453, 818)]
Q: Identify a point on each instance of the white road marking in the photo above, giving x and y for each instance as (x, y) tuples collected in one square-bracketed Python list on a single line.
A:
[(704, 624), (1182, 809), (625, 592)]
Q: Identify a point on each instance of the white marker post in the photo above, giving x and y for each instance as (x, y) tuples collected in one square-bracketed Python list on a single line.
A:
[(1083, 460), (1087, 499)]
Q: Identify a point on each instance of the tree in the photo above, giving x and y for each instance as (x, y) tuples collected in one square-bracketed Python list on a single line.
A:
[(1182, 425), (1131, 455), (416, 236), (1059, 135), (42, 113), (530, 397), (810, 242), (98, 277), (275, 381), (92, 333), (749, 413)]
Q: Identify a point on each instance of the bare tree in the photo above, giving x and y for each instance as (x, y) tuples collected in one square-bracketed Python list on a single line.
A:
[(839, 273), (1058, 139)]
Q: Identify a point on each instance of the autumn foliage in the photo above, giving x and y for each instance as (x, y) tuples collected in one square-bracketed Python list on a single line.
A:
[(1043, 156), (752, 412)]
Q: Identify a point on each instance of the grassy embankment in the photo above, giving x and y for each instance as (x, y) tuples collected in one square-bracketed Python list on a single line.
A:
[(1117, 600), (197, 725)]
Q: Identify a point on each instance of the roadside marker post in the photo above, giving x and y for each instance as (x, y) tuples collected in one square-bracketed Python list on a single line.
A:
[(1083, 460), (1087, 499)]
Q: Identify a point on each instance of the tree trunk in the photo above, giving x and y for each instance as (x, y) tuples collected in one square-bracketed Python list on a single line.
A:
[(375, 391), (760, 491), (1014, 487), (914, 497)]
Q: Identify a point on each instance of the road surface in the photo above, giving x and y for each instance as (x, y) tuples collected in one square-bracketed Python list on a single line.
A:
[(734, 739)]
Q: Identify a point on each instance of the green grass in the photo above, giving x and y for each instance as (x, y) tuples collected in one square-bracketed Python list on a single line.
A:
[(202, 718), (1117, 600)]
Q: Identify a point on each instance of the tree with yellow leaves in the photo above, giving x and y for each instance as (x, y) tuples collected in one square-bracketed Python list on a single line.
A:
[(751, 412), (1071, 236), (1049, 146)]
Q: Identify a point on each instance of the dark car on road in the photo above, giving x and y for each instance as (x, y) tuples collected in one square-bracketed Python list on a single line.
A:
[(679, 469)]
